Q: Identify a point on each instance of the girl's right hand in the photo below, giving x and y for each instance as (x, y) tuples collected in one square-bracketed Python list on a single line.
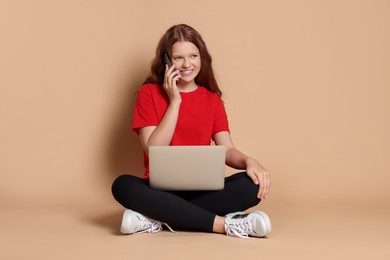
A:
[(171, 77)]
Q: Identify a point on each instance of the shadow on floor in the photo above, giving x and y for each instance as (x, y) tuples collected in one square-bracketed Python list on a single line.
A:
[(110, 221)]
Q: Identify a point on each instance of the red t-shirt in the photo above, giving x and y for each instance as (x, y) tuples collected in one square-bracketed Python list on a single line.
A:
[(201, 115)]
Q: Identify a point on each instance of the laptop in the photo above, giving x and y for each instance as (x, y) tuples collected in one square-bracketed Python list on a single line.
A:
[(187, 167)]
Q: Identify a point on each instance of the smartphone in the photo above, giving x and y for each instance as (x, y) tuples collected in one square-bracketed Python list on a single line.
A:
[(167, 60)]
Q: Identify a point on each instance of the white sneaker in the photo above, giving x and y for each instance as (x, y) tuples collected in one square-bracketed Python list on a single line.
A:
[(134, 222), (239, 224)]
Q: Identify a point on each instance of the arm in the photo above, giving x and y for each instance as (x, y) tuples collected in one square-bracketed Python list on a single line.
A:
[(239, 160), (163, 133)]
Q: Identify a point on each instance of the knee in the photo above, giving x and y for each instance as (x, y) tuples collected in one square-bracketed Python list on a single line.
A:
[(248, 189), (123, 186), (252, 190)]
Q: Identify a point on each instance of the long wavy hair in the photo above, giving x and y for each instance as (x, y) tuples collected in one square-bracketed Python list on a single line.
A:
[(183, 32)]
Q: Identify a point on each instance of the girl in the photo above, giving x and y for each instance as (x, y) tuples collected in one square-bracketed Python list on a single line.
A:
[(181, 105)]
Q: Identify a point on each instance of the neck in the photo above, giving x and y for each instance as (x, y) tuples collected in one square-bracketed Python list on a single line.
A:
[(187, 86)]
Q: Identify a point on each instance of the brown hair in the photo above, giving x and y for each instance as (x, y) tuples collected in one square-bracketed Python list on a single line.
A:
[(183, 32)]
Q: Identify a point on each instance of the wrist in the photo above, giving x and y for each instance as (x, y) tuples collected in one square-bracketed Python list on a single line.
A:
[(249, 161), (175, 102)]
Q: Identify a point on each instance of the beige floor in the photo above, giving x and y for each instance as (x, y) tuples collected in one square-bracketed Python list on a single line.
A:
[(299, 232)]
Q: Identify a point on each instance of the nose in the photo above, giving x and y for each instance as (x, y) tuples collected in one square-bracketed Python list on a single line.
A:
[(186, 63)]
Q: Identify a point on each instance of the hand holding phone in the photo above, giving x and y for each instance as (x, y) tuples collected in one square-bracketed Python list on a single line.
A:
[(170, 78)]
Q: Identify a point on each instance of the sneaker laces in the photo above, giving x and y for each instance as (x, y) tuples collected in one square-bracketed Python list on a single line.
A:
[(150, 225), (238, 228), (170, 229)]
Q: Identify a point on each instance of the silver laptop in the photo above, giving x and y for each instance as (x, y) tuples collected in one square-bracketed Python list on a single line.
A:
[(187, 167)]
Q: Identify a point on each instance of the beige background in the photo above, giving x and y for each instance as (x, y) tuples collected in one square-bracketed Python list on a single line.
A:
[(306, 85)]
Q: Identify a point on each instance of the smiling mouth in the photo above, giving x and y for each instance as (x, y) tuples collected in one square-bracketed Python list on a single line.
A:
[(186, 72)]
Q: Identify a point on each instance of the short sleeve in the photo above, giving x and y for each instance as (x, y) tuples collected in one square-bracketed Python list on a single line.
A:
[(220, 116), (144, 111)]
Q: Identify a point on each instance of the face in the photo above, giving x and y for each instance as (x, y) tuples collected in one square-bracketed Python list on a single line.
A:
[(186, 58)]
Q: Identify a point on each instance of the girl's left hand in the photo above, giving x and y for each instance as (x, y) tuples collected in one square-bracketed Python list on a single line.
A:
[(260, 176)]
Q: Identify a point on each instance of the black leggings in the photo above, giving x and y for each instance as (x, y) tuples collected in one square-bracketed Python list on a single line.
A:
[(194, 210)]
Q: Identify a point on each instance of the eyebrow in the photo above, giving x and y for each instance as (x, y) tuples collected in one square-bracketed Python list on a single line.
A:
[(177, 55)]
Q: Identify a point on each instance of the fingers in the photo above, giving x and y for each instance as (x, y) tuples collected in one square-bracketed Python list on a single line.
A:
[(262, 178), (267, 186), (260, 194), (168, 70), (253, 176), (171, 77)]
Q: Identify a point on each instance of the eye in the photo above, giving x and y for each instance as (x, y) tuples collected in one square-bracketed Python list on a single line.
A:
[(177, 58), (194, 56)]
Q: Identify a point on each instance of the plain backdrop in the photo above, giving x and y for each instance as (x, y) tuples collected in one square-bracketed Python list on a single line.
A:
[(306, 85)]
